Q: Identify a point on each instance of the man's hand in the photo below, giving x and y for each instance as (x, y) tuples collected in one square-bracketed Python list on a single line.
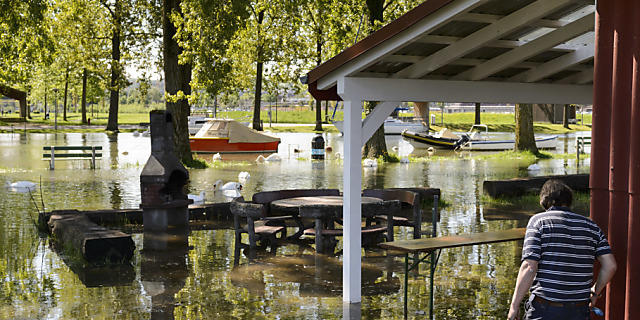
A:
[(514, 313)]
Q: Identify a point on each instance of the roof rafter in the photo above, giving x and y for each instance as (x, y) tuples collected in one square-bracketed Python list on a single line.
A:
[(549, 40), (563, 62), (491, 18), (504, 26)]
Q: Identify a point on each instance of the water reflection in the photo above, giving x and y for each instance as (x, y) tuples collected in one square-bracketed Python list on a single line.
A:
[(164, 269), (201, 282)]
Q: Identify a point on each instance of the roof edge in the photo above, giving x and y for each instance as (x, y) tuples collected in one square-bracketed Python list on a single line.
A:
[(381, 35)]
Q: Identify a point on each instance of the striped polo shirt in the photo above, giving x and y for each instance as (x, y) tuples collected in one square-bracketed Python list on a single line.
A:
[(565, 244)]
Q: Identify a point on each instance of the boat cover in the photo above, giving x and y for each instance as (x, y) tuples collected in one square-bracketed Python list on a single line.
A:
[(235, 131)]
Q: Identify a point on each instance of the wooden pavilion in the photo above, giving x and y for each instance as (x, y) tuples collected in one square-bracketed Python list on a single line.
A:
[(505, 51)]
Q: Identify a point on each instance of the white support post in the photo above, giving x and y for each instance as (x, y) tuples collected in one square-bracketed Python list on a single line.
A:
[(351, 268)]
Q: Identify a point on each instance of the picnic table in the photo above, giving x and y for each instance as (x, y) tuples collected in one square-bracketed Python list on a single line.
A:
[(431, 247), (325, 210)]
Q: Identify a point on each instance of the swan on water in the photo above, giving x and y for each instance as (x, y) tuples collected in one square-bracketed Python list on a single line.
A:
[(534, 167), (196, 198), (216, 157), (243, 176), (370, 163), (21, 186)]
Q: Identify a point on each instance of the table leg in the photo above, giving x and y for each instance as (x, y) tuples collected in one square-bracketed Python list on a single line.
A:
[(406, 282), (319, 244)]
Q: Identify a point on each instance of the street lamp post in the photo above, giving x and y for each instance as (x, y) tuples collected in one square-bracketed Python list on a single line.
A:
[(55, 103)]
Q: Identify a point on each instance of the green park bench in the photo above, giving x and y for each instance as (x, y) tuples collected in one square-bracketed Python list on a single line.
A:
[(53, 153), (581, 142)]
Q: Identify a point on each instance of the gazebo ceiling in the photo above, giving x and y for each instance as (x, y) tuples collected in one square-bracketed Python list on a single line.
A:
[(517, 41)]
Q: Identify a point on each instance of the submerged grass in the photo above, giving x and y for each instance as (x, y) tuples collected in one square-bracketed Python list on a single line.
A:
[(196, 163), (525, 156), (531, 202)]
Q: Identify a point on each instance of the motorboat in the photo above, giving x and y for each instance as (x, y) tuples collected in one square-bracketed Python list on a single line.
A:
[(392, 126), (472, 140), (229, 136)]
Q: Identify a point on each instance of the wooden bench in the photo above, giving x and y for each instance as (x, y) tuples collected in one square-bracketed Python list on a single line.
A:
[(432, 245), (66, 153)]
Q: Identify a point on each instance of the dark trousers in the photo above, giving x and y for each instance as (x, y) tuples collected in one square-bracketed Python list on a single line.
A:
[(535, 310)]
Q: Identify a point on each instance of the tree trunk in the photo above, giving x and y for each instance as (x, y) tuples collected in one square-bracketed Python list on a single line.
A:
[(376, 146), (114, 99), (478, 113), (45, 102), (66, 94), (257, 125), (565, 116), (318, 116), (83, 107), (176, 78), (525, 141), (548, 110), (318, 102)]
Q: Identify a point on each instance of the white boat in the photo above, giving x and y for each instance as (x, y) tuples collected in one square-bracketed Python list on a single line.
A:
[(472, 140), (196, 123), (391, 126)]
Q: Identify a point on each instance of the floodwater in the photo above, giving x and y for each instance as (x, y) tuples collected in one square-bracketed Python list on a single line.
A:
[(196, 279)]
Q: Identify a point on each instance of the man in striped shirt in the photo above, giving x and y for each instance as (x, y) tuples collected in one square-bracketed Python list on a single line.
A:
[(559, 250)]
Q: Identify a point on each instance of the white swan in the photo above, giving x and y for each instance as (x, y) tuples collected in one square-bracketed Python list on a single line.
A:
[(273, 157), (243, 176), (394, 148), (338, 156), (232, 189), (196, 198), (534, 167), (216, 157), (260, 158), (21, 186), (146, 133), (370, 163), (431, 151), (136, 133), (404, 160)]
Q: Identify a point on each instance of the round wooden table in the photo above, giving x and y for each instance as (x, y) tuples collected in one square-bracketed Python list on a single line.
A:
[(325, 210)]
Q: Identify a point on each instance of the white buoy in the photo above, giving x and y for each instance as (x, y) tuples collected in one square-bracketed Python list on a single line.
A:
[(197, 198), (370, 163)]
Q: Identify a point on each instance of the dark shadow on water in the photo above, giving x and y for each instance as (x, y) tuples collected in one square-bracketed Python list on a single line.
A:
[(164, 269)]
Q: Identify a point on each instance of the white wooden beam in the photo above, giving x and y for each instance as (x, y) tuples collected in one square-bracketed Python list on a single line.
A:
[(436, 19), (583, 77), (556, 65), (491, 18), (506, 25), (385, 89), (376, 118), (509, 44), (549, 40), (351, 214)]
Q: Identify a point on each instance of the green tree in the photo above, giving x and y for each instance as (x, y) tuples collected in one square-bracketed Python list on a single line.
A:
[(24, 44), (376, 146), (196, 38)]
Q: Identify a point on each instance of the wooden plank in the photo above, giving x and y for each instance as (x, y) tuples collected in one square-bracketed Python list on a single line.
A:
[(72, 155), (72, 148), (95, 243), (431, 244)]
